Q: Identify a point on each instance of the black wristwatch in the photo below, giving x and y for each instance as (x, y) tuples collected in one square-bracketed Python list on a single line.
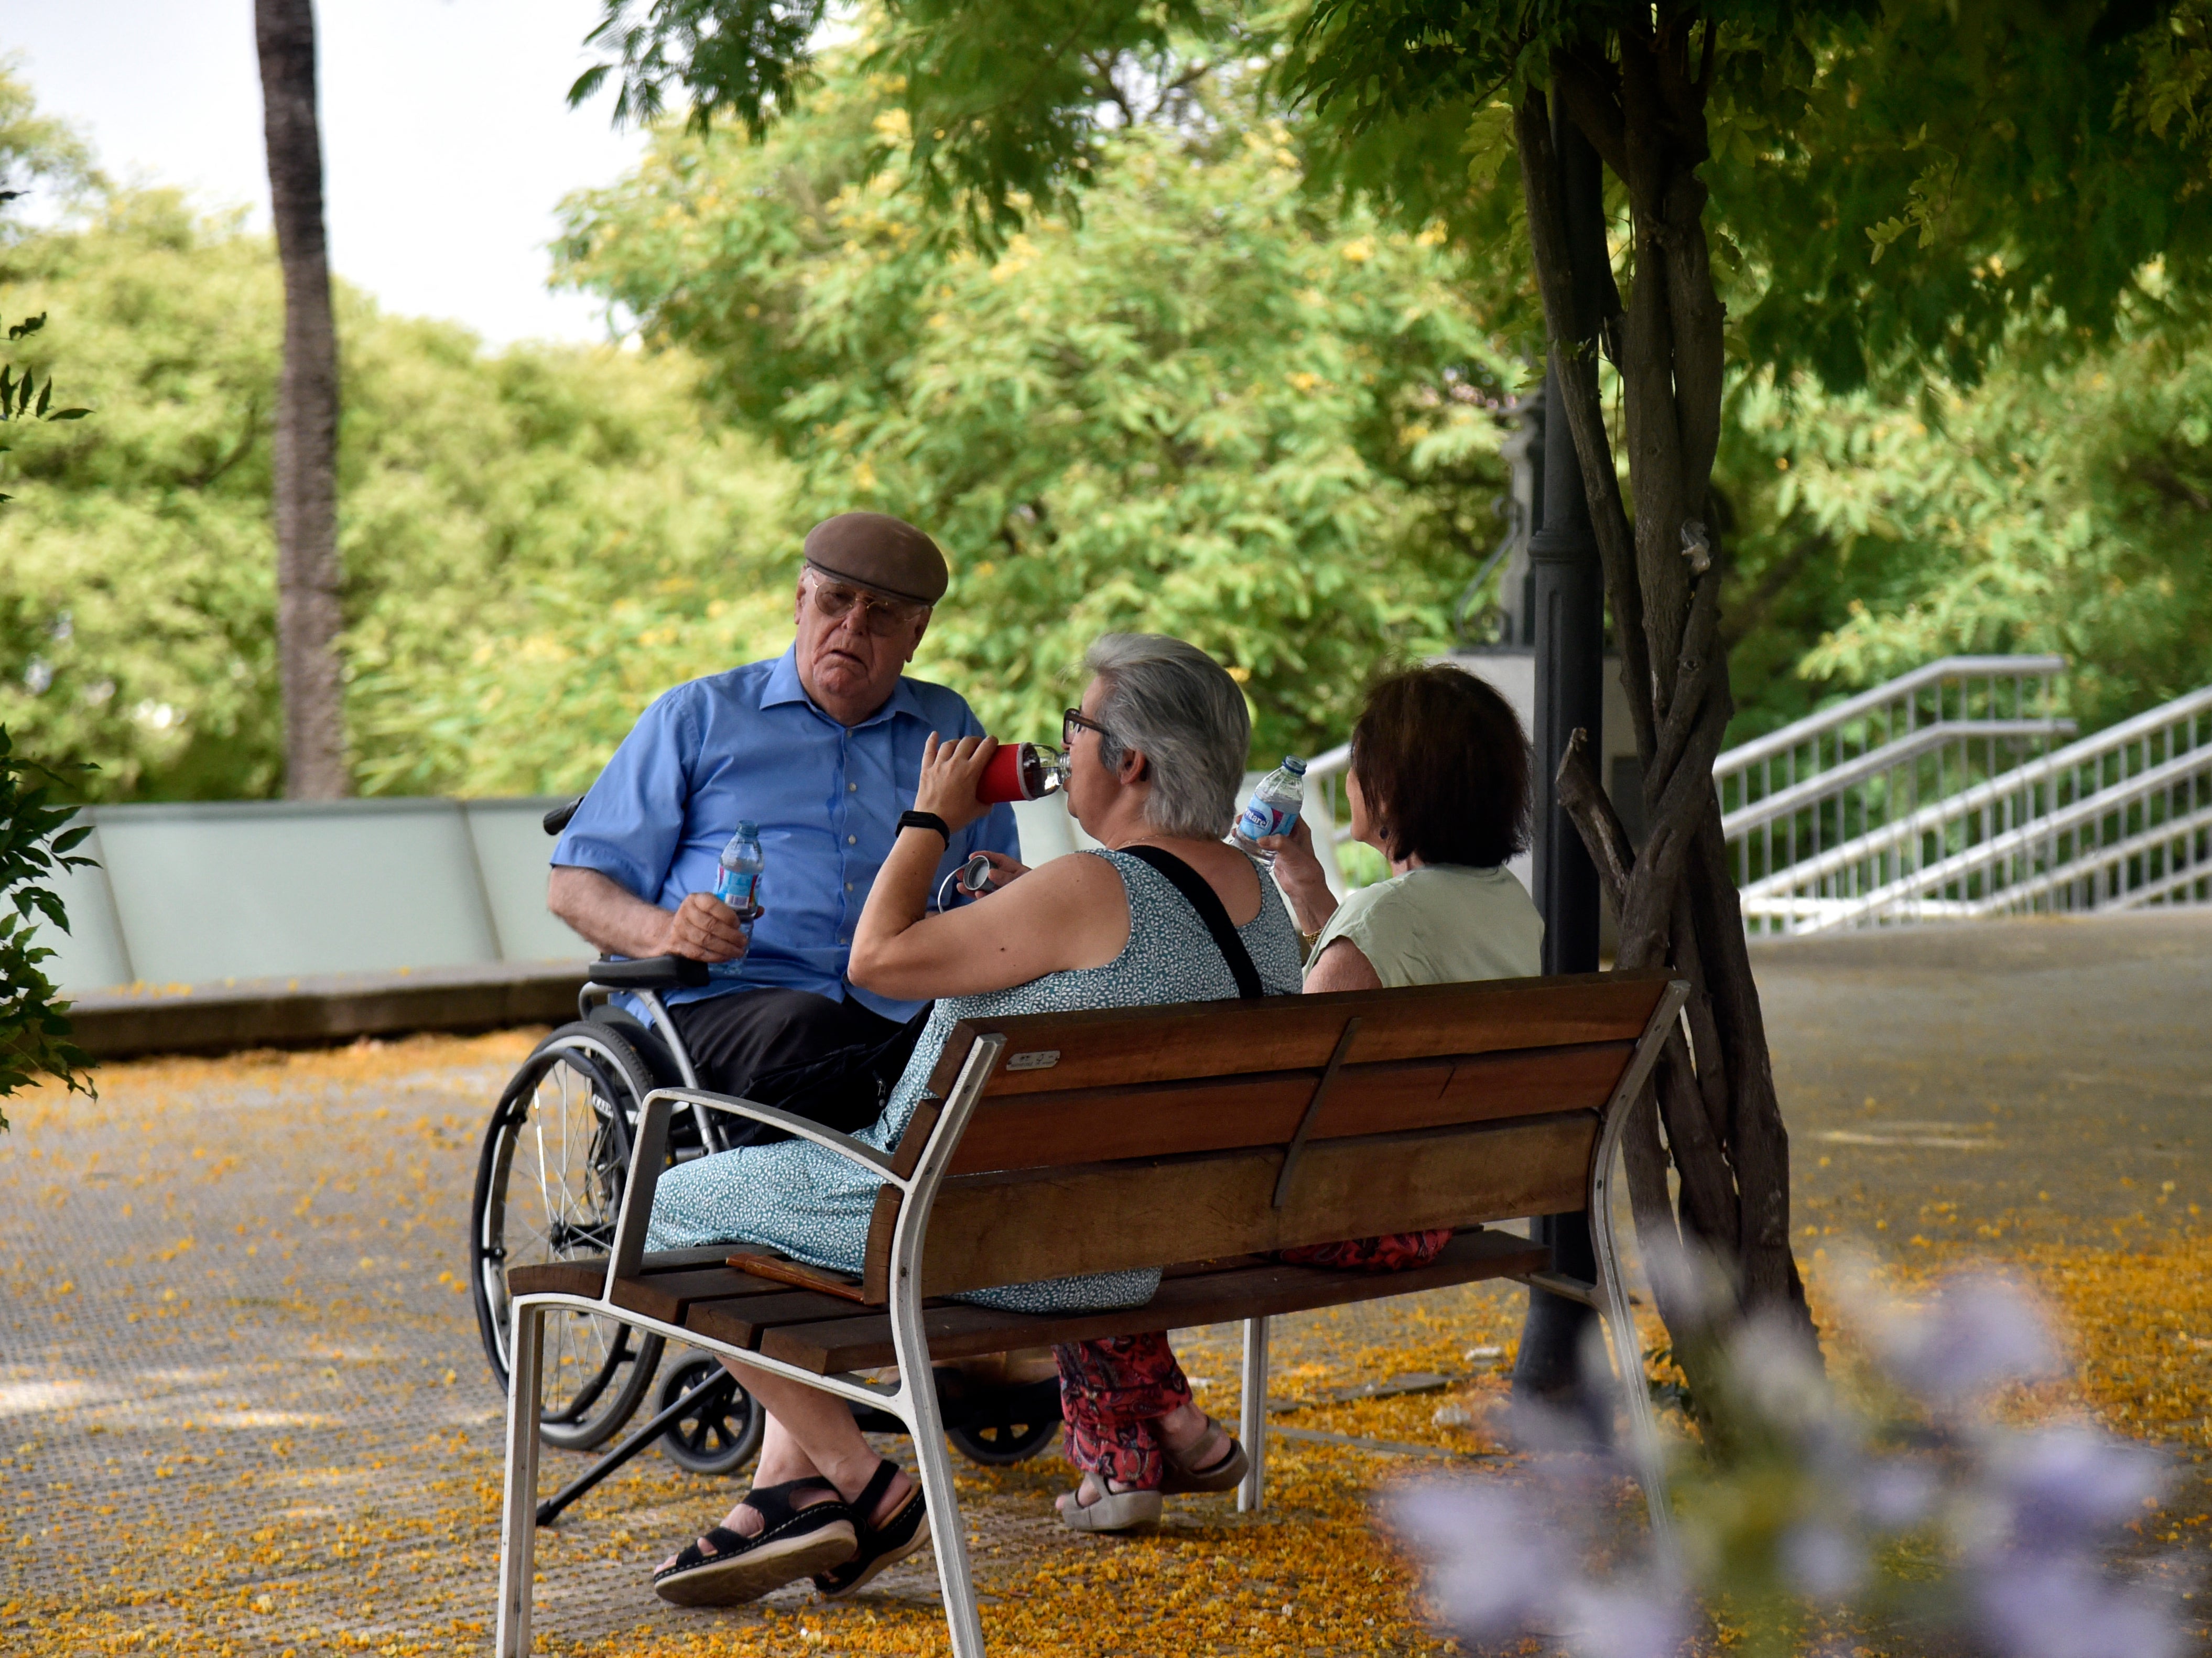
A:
[(928, 820)]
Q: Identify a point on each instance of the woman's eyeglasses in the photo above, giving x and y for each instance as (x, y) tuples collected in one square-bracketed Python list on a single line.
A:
[(1074, 719), (881, 617)]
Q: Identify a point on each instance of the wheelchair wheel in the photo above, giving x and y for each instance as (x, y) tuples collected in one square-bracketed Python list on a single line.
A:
[(720, 1435), (549, 1185), (998, 1426)]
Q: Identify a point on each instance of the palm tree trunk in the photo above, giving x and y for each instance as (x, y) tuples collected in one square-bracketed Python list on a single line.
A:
[(308, 617)]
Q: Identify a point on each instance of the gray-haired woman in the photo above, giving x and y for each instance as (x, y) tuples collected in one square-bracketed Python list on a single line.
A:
[(1157, 753)]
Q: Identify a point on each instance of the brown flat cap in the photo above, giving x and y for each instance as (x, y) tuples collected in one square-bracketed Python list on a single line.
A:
[(874, 550)]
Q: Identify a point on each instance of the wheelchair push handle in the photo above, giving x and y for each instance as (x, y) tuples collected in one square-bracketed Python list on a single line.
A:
[(558, 819)]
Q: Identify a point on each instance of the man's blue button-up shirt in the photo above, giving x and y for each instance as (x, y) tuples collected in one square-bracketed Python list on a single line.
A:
[(749, 744)]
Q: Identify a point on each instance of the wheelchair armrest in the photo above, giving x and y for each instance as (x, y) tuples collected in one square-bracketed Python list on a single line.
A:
[(649, 973)]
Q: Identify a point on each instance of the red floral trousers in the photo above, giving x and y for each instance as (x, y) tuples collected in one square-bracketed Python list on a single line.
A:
[(1112, 1390)]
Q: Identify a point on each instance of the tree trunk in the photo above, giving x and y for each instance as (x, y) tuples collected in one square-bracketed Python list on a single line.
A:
[(308, 618), (1712, 1095)]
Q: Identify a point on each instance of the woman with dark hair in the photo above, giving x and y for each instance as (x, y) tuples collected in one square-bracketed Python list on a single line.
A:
[(1438, 784)]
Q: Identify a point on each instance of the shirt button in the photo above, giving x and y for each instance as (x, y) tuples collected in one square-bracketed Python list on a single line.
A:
[(852, 788), (844, 941), (848, 886), (852, 840)]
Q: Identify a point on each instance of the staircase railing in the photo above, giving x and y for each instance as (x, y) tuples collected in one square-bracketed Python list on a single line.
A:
[(2118, 819), (1876, 759)]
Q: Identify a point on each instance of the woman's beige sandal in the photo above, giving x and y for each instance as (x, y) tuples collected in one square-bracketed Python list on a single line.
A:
[(1224, 1473), (1113, 1511), (793, 1543), (881, 1546)]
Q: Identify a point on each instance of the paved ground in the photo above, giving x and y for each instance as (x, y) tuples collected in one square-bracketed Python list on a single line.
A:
[(242, 1407)]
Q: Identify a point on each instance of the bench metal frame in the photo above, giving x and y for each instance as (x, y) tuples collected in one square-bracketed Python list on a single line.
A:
[(912, 1398)]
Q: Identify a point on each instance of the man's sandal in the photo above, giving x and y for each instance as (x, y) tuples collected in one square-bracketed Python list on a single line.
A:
[(1112, 1511), (793, 1543), (1224, 1473), (881, 1546)]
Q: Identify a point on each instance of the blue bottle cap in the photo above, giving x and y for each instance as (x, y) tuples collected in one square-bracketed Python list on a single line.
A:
[(748, 829), (1292, 763)]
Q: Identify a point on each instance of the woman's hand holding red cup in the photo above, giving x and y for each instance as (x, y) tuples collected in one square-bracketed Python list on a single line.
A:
[(950, 775)]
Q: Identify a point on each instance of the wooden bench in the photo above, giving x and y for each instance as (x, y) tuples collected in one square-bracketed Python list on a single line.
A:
[(1197, 1137)]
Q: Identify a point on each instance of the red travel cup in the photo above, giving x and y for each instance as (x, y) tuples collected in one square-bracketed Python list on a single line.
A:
[(1019, 771)]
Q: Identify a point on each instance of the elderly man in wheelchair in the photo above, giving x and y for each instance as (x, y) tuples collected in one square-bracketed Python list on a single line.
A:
[(821, 749)]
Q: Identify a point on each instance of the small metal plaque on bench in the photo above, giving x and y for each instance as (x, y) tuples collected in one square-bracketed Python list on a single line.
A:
[(1043, 1059)]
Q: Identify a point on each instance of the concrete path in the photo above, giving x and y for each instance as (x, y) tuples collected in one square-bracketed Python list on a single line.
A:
[(242, 1407)]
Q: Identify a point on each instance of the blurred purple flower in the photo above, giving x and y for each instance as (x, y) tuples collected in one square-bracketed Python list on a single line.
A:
[(1893, 1495), (1980, 1333), (1496, 1566), (1636, 1618), (1822, 1561), (2040, 1608), (2058, 1488)]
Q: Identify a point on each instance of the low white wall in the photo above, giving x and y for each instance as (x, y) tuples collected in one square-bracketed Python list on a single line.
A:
[(202, 893)]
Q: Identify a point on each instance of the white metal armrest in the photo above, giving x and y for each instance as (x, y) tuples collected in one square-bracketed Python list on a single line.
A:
[(650, 1150)]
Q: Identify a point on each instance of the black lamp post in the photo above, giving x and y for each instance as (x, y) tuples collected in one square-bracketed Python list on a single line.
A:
[(1570, 639)]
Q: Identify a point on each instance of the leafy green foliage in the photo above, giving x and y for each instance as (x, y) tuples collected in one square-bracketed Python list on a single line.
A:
[(2047, 509), (34, 847), (15, 395), (1893, 187), (1207, 409), (530, 539)]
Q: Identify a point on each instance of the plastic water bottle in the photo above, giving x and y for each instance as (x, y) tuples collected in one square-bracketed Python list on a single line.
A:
[(1272, 808), (738, 886)]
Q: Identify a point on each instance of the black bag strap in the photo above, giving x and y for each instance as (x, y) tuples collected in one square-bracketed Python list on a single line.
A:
[(1211, 910)]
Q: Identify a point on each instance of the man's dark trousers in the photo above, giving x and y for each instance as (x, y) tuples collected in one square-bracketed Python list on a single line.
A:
[(764, 1038)]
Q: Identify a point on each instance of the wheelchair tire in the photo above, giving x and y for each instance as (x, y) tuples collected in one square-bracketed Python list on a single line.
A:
[(564, 1126), (1000, 1426), (721, 1437), (996, 1447)]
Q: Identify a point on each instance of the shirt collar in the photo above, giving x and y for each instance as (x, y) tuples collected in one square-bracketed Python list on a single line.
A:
[(784, 687)]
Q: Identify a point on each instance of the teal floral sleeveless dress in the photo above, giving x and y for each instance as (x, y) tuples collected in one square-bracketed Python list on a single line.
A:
[(815, 1205)]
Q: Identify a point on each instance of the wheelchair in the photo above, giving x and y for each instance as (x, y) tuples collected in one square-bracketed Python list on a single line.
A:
[(549, 1184)]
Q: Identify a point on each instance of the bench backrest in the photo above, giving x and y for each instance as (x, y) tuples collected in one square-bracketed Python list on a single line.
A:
[(1148, 1137)]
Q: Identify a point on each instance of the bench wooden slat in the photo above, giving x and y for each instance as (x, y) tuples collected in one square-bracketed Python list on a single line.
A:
[(1186, 1298), (1020, 1226), (1221, 1114), (668, 1296), (559, 1277), (1122, 1046), (739, 1319)]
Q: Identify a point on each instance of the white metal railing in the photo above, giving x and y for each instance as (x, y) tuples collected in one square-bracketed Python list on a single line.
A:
[(2119, 819), (1876, 759)]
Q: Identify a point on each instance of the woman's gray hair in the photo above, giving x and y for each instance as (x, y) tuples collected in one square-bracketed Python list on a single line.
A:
[(1178, 706)]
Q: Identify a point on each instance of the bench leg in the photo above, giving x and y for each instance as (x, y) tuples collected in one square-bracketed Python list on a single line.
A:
[(519, 1514), (948, 1530), (1252, 1420), (1612, 1302)]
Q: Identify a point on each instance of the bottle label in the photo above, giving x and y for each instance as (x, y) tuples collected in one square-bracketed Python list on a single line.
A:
[(1264, 817), (736, 886)]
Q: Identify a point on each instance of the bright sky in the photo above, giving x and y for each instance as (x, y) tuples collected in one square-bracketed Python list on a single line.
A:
[(446, 141)]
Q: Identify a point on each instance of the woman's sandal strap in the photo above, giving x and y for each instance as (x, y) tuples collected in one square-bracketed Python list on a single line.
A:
[(773, 1505), (726, 1542), (895, 1536), (880, 1483)]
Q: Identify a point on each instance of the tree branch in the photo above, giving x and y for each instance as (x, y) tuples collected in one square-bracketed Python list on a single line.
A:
[(1593, 104)]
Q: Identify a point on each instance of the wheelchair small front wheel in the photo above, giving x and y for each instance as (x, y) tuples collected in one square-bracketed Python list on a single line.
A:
[(549, 1182), (719, 1434)]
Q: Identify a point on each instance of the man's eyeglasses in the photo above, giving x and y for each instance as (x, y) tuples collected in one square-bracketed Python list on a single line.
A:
[(833, 601), (1074, 719)]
